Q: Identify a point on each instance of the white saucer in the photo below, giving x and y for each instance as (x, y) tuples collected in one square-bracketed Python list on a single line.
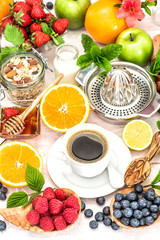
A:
[(63, 176)]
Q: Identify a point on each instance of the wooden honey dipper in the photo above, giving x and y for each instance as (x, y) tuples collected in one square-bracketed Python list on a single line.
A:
[(15, 125)]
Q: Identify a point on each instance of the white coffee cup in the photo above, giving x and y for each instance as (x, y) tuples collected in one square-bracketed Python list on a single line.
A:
[(86, 168)]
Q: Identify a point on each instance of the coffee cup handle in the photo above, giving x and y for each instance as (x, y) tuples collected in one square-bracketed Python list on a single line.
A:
[(67, 168)]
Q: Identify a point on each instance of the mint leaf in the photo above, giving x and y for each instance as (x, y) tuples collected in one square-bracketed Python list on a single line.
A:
[(34, 178), (17, 199), (7, 51), (30, 199), (46, 29), (157, 178), (156, 186), (14, 35), (111, 51), (87, 42), (148, 11), (158, 124), (95, 52), (104, 63), (155, 66), (150, 4), (58, 40), (84, 60)]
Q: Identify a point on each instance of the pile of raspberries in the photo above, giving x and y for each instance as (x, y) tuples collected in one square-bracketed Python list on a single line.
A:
[(53, 210)]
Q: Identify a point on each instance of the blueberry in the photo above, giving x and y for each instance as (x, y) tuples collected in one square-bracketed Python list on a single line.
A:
[(134, 222), (88, 213), (157, 200), (142, 203), (93, 224), (145, 212), (138, 188), (125, 203), (125, 221), (141, 195), (2, 225), (159, 208), (114, 226), (99, 216), (154, 215), (150, 194), (149, 203), (142, 222), (100, 200), (137, 214), (2, 196), (83, 205), (3, 189), (107, 221), (0, 184), (118, 197), (132, 196), (128, 212), (124, 196), (117, 213), (116, 205), (154, 208), (134, 205), (106, 211), (49, 5), (149, 220)]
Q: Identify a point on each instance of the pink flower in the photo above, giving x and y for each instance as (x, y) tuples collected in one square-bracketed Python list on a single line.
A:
[(131, 11)]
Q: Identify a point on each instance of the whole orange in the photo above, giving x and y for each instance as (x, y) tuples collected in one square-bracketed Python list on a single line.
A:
[(101, 21)]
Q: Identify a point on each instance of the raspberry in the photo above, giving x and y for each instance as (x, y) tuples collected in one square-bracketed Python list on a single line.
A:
[(46, 214), (70, 215), (55, 206), (41, 205), (60, 194), (56, 215), (46, 223), (49, 193), (35, 200), (72, 202), (60, 223), (33, 217)]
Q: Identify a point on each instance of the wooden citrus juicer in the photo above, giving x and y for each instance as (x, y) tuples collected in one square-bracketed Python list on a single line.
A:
[(140, 168), (15, 125)]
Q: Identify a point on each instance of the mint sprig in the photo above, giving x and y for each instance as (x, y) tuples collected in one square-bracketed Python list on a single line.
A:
[(13, 35), (35, 181), (156, 182), (93, 54)]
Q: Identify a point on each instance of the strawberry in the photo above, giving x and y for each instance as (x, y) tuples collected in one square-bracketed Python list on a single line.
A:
[(24, 32), (33, 2), (40, 38), (27, 45), (10, 112), (60, 25), (21, 6), (35, 27), (22, 18), (37, 12), (49, 17), (8, 20)]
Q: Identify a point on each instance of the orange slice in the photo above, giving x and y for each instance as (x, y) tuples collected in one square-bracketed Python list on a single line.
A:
[(64, 106), (14, 157)]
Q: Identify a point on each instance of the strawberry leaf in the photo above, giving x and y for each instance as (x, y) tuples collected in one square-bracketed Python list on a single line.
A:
[(14, 35)]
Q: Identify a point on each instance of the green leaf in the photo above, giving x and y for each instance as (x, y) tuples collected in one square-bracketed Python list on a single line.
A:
[(111, 51), (7, 51), (148, 11), (46, 29), (95, 52), (14, 35), (117, 5), (58, 40), (157, 178), (158, 124), (30, 199), (150, 4), (17, 199), (104, 63), (155, 66), (158, 53), (34, 178), (156, 186), (87, 42), (84, 60)]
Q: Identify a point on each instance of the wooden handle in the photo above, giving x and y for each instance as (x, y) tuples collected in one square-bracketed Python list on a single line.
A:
[(156, 44), (38, 99), (155, 146)]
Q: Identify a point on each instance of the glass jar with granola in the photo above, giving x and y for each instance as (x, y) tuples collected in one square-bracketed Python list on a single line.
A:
[(23, 75)]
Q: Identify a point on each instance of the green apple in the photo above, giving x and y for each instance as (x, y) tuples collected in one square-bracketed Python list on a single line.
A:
[(74, 10), (137, 46)]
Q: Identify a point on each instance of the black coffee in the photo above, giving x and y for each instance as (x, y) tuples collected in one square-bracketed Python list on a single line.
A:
[(87, 146)]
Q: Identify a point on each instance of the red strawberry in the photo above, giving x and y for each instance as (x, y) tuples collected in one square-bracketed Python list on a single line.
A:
[(49, 17), (40, 38), (33, 2), (21, 6), (35, 27), (22, 18), (10, 112), (60, 25), (24, 32), (27, 45), (8, 20), (37, 12)]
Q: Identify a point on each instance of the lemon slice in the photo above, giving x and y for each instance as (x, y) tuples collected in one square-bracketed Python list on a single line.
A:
[(137, 135)]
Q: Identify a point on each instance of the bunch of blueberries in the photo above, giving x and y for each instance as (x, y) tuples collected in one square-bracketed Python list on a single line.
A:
[(99, 216), (3, 191), (137, 208)]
